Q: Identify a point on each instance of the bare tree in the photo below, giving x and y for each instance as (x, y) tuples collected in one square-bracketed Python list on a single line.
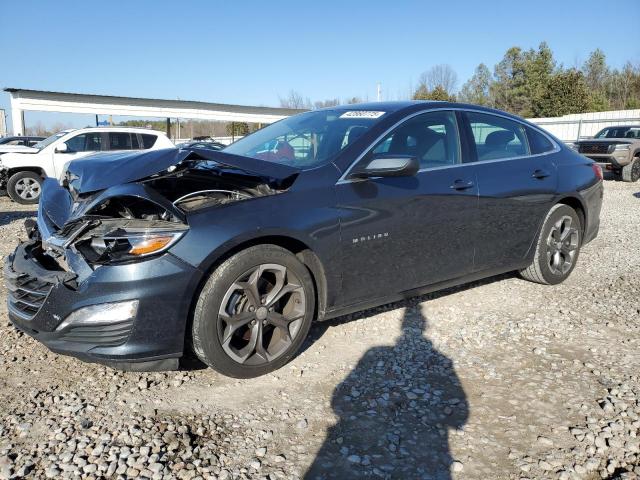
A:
[(331, 102), (439, 76), (295, 100)]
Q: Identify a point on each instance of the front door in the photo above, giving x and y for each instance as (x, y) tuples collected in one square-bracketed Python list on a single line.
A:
[(79, 146), (400, 233)]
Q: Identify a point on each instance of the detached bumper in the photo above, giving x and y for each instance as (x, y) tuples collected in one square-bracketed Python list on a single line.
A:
[(42, 293)]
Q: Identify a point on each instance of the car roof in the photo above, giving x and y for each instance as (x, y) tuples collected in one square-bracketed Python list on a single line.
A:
[(116, 129), (414, 105)]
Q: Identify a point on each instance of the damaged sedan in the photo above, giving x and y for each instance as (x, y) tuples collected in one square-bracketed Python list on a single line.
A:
[(137, 258)]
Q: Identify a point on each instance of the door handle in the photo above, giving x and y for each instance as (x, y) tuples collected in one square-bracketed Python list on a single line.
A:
[(461, 185), (540, 174)]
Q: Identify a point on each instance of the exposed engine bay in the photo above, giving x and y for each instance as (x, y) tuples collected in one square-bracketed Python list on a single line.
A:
[(131, 220)]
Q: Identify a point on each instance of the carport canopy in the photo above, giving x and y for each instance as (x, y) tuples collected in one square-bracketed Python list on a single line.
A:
[(23, 100)]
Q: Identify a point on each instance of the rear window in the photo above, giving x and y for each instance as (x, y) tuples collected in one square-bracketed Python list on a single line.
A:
[(148, 141), (538, 142), (120, 141)]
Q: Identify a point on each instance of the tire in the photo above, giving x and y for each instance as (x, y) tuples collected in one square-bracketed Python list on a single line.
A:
[(631, 172), (244, 332), (552, 263), (25, 187)]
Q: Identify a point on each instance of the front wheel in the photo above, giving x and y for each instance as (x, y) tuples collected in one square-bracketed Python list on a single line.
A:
[(557, 248), (254, 312), (24, 187), (631, 172)]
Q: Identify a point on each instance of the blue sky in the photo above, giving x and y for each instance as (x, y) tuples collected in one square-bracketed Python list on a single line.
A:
[(253, 52)]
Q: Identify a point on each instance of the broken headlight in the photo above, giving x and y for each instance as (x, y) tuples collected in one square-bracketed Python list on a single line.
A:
[(122, 245)]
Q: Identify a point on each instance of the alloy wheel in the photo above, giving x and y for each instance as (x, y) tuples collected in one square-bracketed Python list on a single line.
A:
[(562, 245), (27, 188), (261, 314)]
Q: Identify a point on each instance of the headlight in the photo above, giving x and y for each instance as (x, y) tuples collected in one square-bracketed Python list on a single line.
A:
[(101, 314), (122, 245), (622, 148)]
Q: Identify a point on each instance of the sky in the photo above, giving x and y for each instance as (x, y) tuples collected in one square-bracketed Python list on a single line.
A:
[(254, 52)]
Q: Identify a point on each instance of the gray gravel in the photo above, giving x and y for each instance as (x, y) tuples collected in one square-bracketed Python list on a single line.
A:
[(498, 379)]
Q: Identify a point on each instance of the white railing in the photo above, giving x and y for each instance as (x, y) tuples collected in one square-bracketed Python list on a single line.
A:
[(571, 128)]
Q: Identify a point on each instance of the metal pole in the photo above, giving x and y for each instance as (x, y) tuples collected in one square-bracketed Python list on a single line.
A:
[(168, 127), (579, 130), (97, 120)]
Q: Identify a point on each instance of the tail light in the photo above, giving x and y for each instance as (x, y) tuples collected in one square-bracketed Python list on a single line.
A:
[(597, 169)]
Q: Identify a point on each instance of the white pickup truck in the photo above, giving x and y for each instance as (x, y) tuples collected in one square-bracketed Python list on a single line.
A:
[(21, 173)]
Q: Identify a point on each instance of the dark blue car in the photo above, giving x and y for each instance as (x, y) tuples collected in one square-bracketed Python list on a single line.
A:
[(137, 257)]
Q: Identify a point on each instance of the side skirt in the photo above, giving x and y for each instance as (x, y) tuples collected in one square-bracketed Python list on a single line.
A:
[(357, 307)]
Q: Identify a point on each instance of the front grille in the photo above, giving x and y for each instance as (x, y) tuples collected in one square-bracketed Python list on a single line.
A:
[(598, 148), (100, 335), (26, 293)]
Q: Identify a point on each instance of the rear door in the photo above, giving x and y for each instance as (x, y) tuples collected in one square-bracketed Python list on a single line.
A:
[(517, 182), (400, 233)]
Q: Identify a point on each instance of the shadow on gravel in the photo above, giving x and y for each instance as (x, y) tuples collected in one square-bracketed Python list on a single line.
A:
[(11, 216), (637, 194), (396, 409)]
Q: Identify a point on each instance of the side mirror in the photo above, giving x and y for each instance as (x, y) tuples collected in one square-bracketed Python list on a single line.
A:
[(62, 148), (387, 165)]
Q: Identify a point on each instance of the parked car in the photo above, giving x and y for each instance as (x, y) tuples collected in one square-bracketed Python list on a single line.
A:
[(21, 173), (18, 143), (136, 254), (616, 149), (202, 144)]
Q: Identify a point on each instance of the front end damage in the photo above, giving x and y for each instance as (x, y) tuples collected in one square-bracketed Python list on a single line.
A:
[(96, 278)]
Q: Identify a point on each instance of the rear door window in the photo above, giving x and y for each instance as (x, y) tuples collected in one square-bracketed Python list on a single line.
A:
[(538, 142), (497, 137), (120, 141)]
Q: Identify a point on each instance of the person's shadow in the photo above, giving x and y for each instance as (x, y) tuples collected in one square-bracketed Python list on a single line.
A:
[(396, 409)]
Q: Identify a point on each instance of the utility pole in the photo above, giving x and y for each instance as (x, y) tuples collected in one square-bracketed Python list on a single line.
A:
[(379, 92)]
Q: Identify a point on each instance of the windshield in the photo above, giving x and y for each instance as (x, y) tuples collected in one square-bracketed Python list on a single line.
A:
[(306, 140), (49, 140), (619, 132)]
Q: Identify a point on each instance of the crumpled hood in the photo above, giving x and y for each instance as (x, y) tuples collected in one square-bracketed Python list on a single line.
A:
[(103, 170)]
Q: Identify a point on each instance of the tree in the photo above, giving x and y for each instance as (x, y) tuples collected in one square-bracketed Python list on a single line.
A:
[(438, 93), (353, 100), (566, 92), (332, 102), (237, 129), (442, 76), (295, 100), (476, 90), (595, 70)]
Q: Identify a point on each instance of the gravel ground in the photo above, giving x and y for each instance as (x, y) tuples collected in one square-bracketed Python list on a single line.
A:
[(497, 379)]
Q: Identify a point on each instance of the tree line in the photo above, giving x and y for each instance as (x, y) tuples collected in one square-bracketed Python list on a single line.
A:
[(529, 83)]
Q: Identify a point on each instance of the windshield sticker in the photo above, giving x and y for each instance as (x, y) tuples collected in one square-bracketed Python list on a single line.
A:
[(361, 114)]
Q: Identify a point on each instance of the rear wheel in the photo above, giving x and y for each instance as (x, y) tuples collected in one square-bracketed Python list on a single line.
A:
[(254, 312), (558, 247), (631, 172), (25, 187)]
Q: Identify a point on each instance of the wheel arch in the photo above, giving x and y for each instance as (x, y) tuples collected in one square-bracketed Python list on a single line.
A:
[(12, 171), (578, 206), (297, 247)]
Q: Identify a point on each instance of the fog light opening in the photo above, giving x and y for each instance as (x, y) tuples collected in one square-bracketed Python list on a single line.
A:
[(101, 314)]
